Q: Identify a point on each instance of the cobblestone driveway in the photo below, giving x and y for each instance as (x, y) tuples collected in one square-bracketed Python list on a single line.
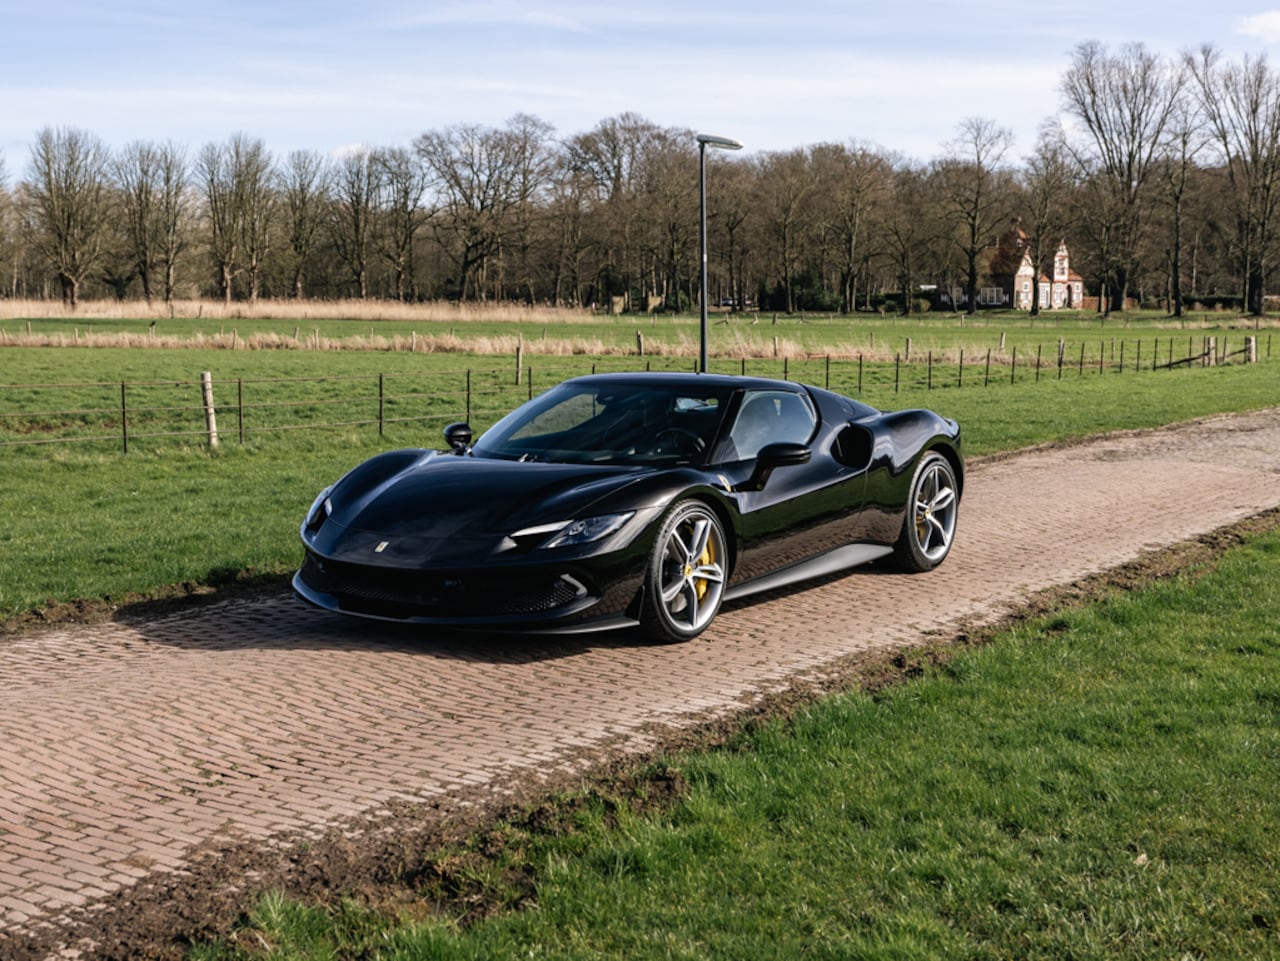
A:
[(125, 747)]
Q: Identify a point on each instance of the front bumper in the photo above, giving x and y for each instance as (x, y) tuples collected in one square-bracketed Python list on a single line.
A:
[(541, 597)]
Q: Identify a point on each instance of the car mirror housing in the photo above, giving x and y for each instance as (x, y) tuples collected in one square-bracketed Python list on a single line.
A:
[(458, 437), (770, 458)]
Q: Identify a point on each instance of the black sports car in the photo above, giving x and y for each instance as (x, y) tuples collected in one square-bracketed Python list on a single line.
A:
[(625, 499)]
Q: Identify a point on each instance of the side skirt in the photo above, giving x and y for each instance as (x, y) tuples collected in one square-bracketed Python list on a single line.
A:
[(839, 559)]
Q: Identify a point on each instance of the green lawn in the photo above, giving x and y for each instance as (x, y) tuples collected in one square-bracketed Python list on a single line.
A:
[(88, 521)]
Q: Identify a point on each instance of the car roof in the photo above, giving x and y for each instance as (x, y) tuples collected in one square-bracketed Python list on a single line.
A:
[(689, 381)]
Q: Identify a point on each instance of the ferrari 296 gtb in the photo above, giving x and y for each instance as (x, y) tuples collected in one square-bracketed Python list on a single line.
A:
[(633, 500)]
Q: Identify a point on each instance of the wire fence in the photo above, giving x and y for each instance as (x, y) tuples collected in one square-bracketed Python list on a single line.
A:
[(200, 411)]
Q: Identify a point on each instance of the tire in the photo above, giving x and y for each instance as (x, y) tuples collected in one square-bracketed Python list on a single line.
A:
[(685, 579), (929, 524)]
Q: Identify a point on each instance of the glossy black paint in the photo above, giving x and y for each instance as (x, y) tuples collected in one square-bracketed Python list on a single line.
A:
[(459, 538)]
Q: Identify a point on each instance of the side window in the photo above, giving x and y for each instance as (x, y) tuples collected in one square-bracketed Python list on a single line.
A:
[(770, 416)]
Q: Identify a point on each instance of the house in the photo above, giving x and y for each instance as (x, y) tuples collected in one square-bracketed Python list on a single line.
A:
[(1008, 277)]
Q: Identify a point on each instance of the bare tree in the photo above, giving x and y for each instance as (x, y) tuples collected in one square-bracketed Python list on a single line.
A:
[(1184, 139), (355, 190), (215, 169), (853, 184), (1048, 178), (671, 202), (616, 155), (535, 163), (975, 192), (474, 175), (240, 206), (911, 230), (8, 251), (304, 188), (152, 182), (258, 201), (568, 208), (785, 182), (1241, 105), (1124, 103), (69, 204), (729, 224), (401, 184)]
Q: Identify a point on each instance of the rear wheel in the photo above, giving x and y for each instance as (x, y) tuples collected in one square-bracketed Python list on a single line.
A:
[(685, 579), (929, 526)]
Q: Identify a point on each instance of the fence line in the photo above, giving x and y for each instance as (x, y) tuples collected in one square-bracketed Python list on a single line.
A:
[(128, 412)]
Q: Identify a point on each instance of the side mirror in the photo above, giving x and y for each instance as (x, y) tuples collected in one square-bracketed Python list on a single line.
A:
[(458, 437), (771, 457)]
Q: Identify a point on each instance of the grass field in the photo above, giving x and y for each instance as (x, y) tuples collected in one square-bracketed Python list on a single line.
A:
[(1098, 784), (87, 521)]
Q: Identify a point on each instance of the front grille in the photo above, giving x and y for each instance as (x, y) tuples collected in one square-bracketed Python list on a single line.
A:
[(434, 594)]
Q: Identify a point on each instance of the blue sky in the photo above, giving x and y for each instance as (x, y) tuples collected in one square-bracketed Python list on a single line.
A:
[(775, 75)]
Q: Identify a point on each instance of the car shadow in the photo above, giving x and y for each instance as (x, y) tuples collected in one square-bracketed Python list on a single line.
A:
[(272, 617), (278, 620)]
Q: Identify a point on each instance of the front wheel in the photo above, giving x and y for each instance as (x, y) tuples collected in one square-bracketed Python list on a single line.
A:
[(929, 526), (685, 579)]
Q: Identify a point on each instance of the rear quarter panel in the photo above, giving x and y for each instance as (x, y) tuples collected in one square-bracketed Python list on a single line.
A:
[(900, 440)]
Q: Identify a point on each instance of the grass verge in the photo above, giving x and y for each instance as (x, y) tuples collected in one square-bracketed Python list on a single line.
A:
[(1098, 782)]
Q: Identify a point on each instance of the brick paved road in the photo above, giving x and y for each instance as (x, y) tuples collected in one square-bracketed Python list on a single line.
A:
[(124, 747)]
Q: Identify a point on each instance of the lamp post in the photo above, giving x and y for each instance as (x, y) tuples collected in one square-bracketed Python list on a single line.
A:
[(724, 143)]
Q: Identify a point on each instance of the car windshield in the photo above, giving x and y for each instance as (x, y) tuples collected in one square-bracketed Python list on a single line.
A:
[(614, 423)]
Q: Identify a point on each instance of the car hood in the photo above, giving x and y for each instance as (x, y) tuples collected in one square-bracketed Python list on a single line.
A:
[(443, 496)]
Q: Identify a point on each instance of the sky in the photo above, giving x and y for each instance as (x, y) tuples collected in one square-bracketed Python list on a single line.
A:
[(775, 75)]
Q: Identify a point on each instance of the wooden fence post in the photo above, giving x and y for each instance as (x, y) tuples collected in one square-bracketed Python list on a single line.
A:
[(210, 414)]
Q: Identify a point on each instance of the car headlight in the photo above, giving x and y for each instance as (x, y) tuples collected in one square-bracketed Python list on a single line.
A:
[(320, 509), (588, 529)]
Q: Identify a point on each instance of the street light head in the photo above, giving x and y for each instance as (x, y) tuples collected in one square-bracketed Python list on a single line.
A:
[(724, 143)]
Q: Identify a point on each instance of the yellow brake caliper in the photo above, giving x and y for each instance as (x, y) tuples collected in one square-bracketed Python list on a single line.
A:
[(708, 557)]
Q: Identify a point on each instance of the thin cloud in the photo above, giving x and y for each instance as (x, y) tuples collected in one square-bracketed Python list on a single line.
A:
[(1264, 26)]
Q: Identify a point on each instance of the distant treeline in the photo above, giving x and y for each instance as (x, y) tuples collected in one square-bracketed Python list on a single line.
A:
[(1161, 174)]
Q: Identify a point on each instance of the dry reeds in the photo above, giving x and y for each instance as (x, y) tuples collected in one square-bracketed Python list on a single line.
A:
[(299, 311), (741, 345)]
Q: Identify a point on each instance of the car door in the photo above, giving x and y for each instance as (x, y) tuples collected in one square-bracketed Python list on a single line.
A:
[(802, 510)]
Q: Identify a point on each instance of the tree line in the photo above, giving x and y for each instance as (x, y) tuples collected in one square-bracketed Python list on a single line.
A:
[(1162, 174)]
